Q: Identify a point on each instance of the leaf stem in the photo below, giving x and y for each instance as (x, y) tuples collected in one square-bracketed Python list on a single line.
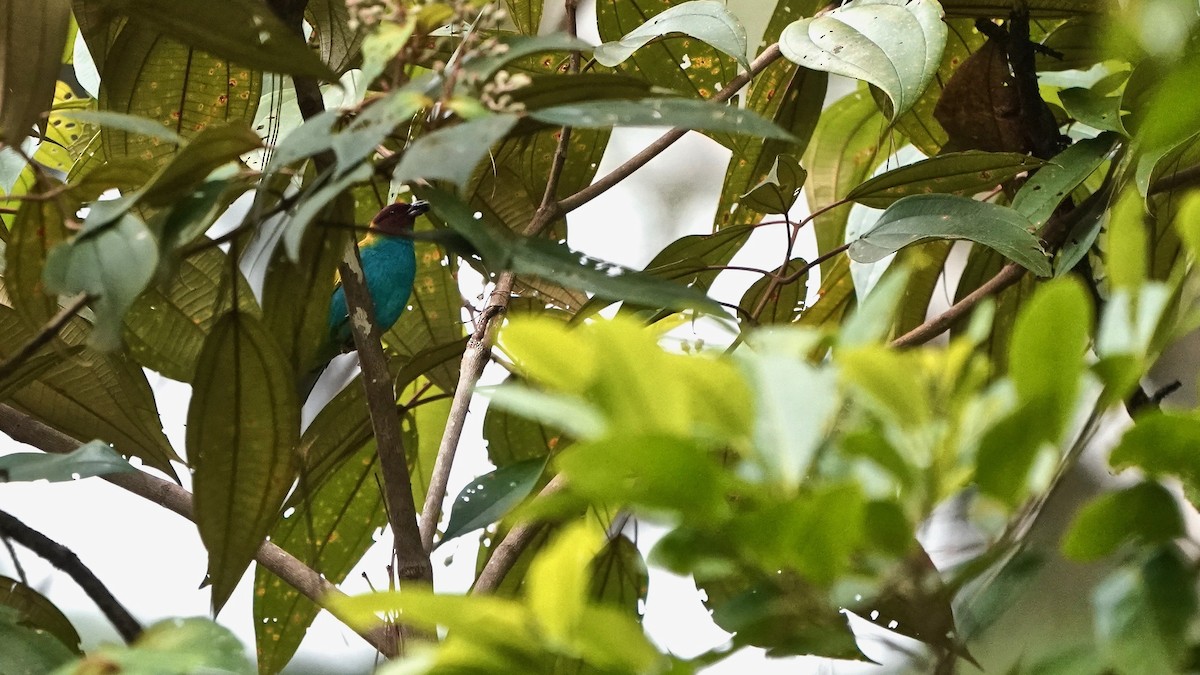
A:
[(43, 336)]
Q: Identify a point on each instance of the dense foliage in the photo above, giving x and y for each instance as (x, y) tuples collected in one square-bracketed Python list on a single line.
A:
[(792, 466)]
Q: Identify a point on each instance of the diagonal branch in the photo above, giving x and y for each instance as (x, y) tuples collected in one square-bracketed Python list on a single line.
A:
[(66, 561), (25, 429)]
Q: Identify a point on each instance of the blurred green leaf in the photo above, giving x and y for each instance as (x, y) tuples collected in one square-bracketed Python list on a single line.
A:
[(895, 45), (243, 423), (1040, 9), (558, 580), (961, 173), (173, 647), (1162, 443), (813, 534), (706, 20), (91, 459), (1143, 614), (647, 473), (1145, 513), (920, 217), (1127, 242), (208, 150), (488, 498), (1046, 356)]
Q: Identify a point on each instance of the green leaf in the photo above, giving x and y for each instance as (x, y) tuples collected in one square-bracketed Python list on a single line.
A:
[(490, 497), (319, 196), (90, 395), (29, 63), (574, 416), (552, 260), (785, 303), (38, 227), (1046, 351), (706, 20), (895, 45), (844, 150), (338, 44), (241, 31), (814, 534), (961, 173), (166, 326), (37, 612), (1162, 443), (527, 14), (181, 88), (176, 647), (344, 512), (1143, 614), (243, 423), (133, 124), (1127, 242), (1145, 513), (112, 262), (922, 217), (1045, 190), (213, 147), (557, 582), (796, 408), (452, 153), (92, 459), (777, 192), (27, 649), (662, 112), (516, 47), (647, 473), (1093, 109)]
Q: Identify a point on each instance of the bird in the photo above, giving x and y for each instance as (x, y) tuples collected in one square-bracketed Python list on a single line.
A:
[(389, 264)]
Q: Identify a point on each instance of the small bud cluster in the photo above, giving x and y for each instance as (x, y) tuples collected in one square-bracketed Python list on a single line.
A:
[(367, 13), (497, 94)]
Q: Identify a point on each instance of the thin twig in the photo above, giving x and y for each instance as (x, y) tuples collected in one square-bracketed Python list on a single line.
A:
[(587, 194), (1007, 276), (514, 543), (45, 335), (12, 553), (67, 562)]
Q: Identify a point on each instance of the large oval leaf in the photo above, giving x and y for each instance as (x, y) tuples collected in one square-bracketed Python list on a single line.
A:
[(923, 217), (706, 20), (895, 45), (242, 426), (963, 173), (662, 112), (30, 58)]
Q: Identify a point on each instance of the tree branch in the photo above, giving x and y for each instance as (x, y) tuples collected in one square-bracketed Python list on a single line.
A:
[(411, 557), (67, 562), (510, 548), (25, 429)]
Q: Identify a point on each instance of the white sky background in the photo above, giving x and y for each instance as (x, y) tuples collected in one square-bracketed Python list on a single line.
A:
[(153, 562)]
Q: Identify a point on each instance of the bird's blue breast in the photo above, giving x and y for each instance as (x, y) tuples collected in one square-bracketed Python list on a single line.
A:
[(390, 266)]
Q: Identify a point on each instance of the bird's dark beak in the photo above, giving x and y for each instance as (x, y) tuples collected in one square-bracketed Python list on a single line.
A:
[(417, 207)]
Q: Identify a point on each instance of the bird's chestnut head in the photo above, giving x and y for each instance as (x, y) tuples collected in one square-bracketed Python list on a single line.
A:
[(397, 219)]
